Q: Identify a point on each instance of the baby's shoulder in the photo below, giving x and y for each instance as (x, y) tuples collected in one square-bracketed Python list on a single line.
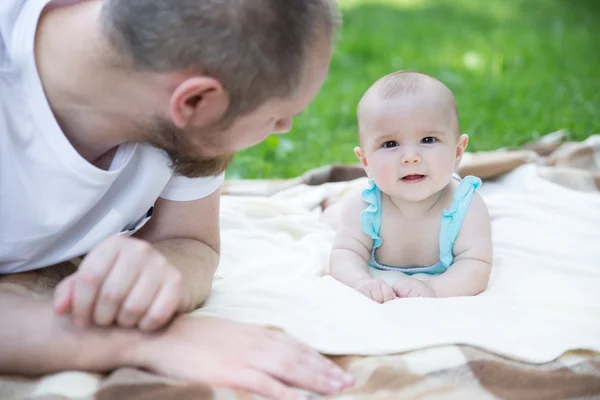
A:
[(477, 206), (477, 216), (354, 203), (459, 188), (476, 229)]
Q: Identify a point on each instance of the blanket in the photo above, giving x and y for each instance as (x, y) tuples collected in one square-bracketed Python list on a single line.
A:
[(534, 334), (439, 373)]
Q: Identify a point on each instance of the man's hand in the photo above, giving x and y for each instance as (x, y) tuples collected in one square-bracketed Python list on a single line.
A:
[(375, 289), (411, 287), (124, 281), (224, 353), (191, 348)]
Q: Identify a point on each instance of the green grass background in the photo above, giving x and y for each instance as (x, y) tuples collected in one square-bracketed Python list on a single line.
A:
[(518, 68)]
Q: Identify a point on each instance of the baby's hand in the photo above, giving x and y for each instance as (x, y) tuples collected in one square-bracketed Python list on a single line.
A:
[(375, 289), (411, 287)]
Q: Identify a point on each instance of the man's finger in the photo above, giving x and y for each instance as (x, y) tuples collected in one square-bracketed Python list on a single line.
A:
[(332, 368), (166, 302), (141, 296), (88, 279), (63, 296), (118, 283), (301, 366)]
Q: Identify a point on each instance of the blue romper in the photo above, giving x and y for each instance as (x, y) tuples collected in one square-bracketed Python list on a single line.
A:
[(452, 219)]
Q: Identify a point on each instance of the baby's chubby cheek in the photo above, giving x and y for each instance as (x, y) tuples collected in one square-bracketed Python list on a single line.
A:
[(385, 175), (442, 170)]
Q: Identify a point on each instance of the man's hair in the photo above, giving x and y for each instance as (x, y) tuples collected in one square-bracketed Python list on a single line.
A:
[(256, 49)]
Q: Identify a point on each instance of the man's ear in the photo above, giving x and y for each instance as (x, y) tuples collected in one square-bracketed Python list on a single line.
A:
[(198, 101), (463, 141)]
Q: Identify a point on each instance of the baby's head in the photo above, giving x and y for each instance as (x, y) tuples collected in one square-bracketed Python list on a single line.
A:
[(410, 141)]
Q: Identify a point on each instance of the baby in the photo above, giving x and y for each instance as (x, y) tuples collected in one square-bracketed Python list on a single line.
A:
[(415, 216)]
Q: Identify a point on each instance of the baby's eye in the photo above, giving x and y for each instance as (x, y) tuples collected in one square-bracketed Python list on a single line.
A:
[(429, 140), (389, 144)]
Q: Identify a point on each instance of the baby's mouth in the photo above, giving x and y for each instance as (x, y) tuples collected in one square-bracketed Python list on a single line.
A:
[(413, 178)]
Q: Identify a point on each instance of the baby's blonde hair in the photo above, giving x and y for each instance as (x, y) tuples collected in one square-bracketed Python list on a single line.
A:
[(401, 83)]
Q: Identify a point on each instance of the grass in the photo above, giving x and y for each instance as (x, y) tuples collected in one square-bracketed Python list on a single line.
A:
[(518, 68)]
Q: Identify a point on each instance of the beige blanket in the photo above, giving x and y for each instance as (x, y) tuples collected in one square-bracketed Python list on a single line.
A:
[(543, 298), (535, 333)]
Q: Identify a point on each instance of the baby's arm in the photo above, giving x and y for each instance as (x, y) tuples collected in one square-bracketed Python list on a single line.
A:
[(470, 272), (351, 252), (351, 247)]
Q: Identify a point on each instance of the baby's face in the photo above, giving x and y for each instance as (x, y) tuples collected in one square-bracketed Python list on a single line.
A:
[(410, 145)]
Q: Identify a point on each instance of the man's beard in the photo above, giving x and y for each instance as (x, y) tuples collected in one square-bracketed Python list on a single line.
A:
[(175, 142)]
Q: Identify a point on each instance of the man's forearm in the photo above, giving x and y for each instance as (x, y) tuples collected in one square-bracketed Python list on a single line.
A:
[(34, 340), (197, 263)]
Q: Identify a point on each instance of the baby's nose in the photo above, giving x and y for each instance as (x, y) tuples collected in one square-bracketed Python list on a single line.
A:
[(411, 157)]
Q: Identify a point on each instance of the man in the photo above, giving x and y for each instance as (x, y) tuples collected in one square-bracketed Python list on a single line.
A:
[(117, 120)]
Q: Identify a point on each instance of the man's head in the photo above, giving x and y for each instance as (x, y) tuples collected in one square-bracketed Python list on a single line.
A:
[(241, 69), (410, 141)]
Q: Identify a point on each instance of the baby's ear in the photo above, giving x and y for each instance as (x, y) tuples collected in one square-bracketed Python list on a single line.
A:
[(361, 156), (363, 160), (463, 141)]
